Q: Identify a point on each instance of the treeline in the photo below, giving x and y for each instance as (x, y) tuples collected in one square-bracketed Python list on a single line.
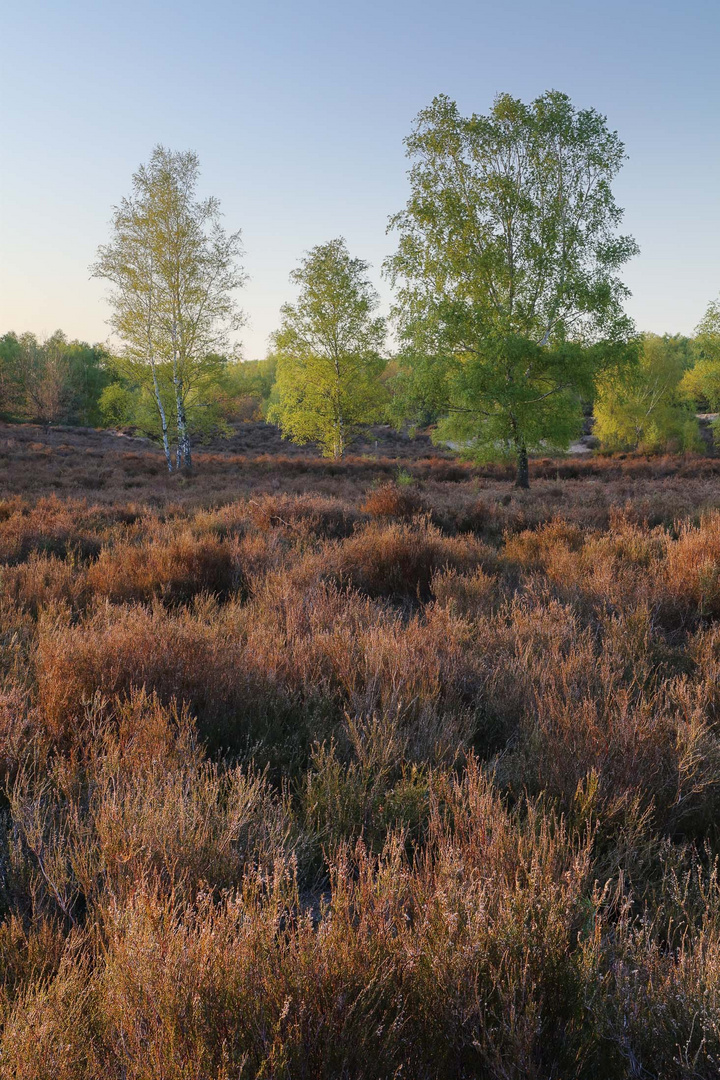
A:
[(654, 405), (57, 381), (52, 382), (653, 408), (225, 391), (508, 316)]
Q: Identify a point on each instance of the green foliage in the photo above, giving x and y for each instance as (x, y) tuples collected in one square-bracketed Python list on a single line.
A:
[(247, 386), (54, 381), (643, 408), (117, 405), (251, 377), (701, 384), (11, 384), (328, 352), (88, 374), (509, 303), (133, 400)]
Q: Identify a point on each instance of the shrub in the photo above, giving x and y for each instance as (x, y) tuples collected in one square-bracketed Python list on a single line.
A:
[(398, 561), (113, 651), (142, 805), (449, 966), (175, 571), (393, 500)]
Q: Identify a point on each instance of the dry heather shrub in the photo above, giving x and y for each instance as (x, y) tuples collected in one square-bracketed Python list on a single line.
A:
[(573, 701), (49, 1034), (186, 656), (13, 504), (531, 548), (465, 594), (389, 500), (630, 567), (328, 651), (30, 950), (134, 464), (631, 541), (462, 963), (44, 581), (56, 527), (704, 652), (580, 654), (20, 728), (279, 672), (143, 805), (693, 565), (254, 551), (478, 515), (229, 520), (305, 515), (398, 561), (174, 571), (424, 678), (17, 641), (655, 1003), (305, 642), (367, 789)]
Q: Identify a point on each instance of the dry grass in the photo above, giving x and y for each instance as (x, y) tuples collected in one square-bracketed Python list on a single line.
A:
[(310, 773)]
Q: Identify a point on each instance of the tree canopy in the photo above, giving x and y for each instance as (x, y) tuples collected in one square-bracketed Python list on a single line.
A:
[(509, 301), (509, 309)]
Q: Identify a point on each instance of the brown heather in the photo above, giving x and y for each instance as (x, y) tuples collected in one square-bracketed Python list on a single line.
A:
[(310, 773)]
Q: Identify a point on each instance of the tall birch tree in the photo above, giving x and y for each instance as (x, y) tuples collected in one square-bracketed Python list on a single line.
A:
[(509, 299), (174, 271)]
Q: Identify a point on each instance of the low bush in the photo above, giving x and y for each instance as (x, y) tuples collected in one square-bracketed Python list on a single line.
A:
[(398, 561), (174, 571), (391, 500)]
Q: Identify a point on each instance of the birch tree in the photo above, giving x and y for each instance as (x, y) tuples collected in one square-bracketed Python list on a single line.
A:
[(329, 352), (509, 303), (174, 271)]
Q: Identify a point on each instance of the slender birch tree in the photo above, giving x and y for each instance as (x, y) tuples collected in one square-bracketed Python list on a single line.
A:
[(175, 272)]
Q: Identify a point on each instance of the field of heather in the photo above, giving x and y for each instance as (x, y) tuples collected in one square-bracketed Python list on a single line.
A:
[(362, 769)]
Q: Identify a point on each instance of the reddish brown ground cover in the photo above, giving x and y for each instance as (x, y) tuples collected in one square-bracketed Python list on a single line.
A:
[(328, 770)]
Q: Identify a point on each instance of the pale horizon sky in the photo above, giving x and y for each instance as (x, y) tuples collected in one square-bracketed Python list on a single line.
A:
[(298, 112)]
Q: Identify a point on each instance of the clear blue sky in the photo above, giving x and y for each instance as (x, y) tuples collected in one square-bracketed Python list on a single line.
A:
[(298, 112)]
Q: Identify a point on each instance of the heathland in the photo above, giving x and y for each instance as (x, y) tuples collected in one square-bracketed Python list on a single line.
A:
[(364, 768)]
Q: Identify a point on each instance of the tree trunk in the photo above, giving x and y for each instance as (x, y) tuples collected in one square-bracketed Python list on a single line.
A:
[(183, 449), (163, 419), (339, 447), (339, 440), (522, 479)]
